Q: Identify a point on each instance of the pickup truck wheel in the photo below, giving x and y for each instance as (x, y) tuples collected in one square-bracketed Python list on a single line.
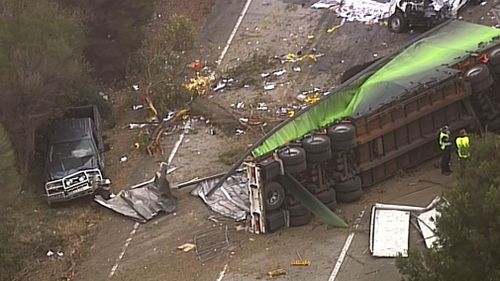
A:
[(299, 221), (292, 156), (318, 157), (274, 195), (350, 185), (397, 22), (316, 144), (275, 220), (476, 74), (298, 210), (494, 57), (349, 197), (341, 132)]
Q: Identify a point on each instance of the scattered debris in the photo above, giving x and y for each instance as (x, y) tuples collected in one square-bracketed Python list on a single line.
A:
[(135, 87), (187, 247), (132, 126), (239, 132), (427, 225), (261, 106), (50, 253), (211, 243), (104, 96), (300, 262), (240, 227), (239, 105), (279, 73), (123, 159), (264, 75), (276, 272), (269, 86), (137, 107), (297, 69), (220, 85), (334, 28), (196, 66)]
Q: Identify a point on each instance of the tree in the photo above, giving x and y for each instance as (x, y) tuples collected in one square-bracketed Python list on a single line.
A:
[(41, 69), (469, 227)]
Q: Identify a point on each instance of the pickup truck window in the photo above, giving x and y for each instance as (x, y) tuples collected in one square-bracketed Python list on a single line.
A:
[(74, 149)]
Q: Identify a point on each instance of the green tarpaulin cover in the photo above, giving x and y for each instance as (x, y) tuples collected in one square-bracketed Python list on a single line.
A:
[(422, 63)]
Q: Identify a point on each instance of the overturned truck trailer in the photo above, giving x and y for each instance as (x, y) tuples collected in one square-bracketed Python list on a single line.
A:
[(384, 119)]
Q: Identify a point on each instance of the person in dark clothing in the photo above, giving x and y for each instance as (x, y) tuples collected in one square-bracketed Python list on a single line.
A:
[(445, 147)]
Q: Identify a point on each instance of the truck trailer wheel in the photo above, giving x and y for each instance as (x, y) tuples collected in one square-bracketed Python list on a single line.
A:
[(494, 57), (477, 74), (298, 210), (342, 132), (316, 144), (292, 156), (350, 185), (301, 220), (298, 168), (275, 220), (274, 195), (397, 22), (326, 196), (349, 197), (483, 85)]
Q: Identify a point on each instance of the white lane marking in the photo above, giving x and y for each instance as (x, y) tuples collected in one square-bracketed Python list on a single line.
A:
[(233, 33), (136, 225), (222, 273), (124, 249), (346, 247)]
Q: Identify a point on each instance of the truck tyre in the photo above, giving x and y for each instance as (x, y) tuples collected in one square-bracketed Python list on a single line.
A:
[(477, 74), (332, 205), (342, 132), (299, 221), (270, 169), (298, 210), (494, 57), (318, 157), (292, 156), (316, 144), (298, 168), (275, 220), (274, 195), (349, 197), (483, 85), (343, 145), (350, 185), (326, 196), (397, 22)]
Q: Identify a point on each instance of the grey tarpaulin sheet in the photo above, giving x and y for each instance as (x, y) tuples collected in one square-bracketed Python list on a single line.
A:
[(143, 203), (230, 200)]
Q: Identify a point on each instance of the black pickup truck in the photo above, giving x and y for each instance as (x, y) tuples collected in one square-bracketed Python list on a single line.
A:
[(75, 155)]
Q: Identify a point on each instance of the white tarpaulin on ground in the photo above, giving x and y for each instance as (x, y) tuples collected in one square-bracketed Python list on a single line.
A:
[(230, 200), (389, 232), (371, 11)]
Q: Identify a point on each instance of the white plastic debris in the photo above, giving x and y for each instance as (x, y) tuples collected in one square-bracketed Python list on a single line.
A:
[(264, 75), (239, 132), (301, 97), (220, 85), (269, 86), (375, 55), (137, 107), (60, 254), (132, 126), (135, 87), (279, 73), (483, 3), (240, 105), (244, 119), (297, 69), (123, 159), (104, 96), (50, 253), (261, 106)]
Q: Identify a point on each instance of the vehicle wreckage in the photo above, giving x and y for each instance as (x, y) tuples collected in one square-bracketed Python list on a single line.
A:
[(379, 121)]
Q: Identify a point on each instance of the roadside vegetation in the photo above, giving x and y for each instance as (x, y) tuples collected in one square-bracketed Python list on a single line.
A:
[(469, 228)]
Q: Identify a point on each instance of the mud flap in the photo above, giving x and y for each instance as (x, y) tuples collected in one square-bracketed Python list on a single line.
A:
[(310, 201)]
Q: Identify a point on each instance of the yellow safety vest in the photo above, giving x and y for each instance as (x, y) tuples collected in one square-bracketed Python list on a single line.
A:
[(444, 140), (463, 147)]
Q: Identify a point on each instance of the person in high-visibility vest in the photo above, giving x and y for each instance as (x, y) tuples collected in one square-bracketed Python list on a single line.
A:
[(445, 147), (463, 145)]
